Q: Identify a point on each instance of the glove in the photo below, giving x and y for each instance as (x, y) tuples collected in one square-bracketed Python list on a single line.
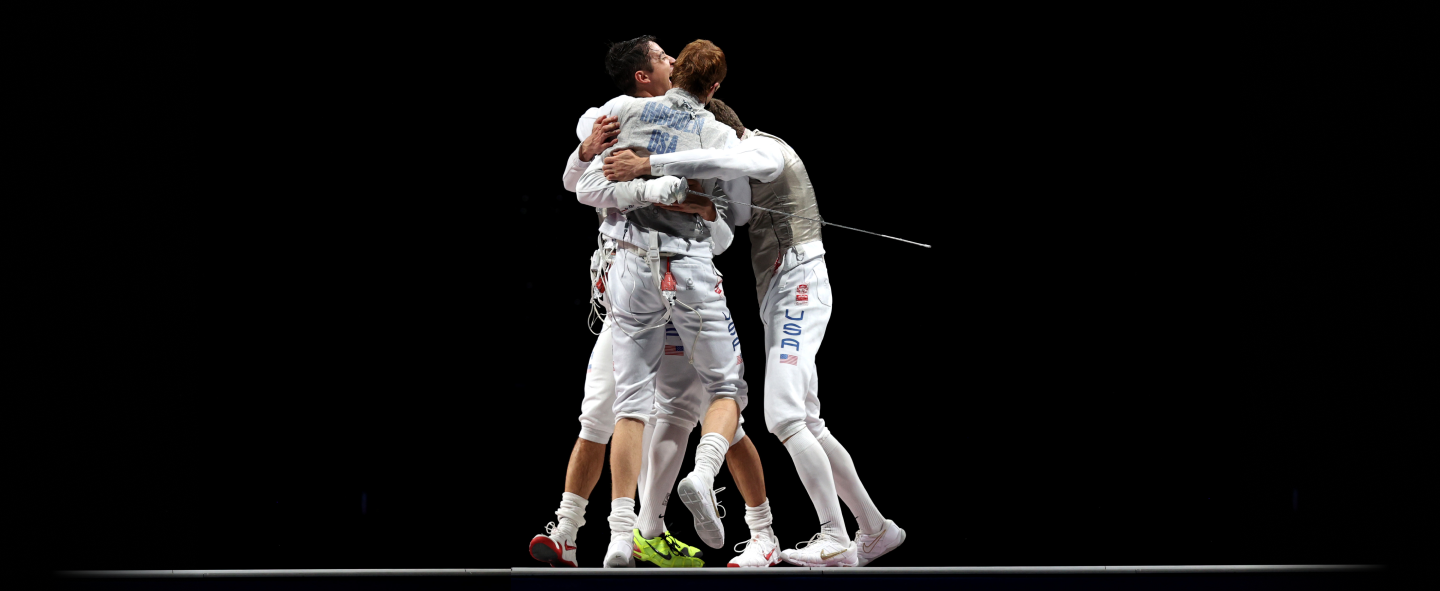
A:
[(666, 190)]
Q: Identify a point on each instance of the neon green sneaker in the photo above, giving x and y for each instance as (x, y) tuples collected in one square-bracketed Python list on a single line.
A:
[(665, 551)]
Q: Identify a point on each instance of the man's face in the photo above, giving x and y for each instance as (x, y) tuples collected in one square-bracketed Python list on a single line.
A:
[(661, 65)]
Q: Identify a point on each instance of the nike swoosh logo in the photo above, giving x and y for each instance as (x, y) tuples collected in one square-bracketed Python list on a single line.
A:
[(871, 545), (568, 547), (767, 556), (828, 556), (662, 554)]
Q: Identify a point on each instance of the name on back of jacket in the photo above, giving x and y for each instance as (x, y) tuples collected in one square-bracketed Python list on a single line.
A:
[(662, 114)]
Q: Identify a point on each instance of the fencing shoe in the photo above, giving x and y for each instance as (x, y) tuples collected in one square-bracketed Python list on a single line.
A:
[(823, 549), (700, 500), (665, 551), (761, 550), (619, 553), (874, 546), (556, 546)]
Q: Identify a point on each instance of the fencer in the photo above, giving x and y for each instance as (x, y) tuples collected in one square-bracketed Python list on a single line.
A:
[(639, 65), (664, 269), (641, 69)]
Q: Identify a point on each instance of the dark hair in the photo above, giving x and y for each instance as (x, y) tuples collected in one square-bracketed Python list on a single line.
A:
[(700, 65), (724, 114), (627, 57)]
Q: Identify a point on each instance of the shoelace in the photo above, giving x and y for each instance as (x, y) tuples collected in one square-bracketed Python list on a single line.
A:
[(816, 539), (715, 494), (557, 531), (674, 545), (738, 547)]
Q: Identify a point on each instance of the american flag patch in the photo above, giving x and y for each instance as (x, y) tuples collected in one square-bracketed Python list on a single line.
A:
[(674, 350), (739, 360), (790, 359)]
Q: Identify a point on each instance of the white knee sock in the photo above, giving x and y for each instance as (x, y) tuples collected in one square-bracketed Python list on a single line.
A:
[(849, 487), (666, 455), (758, 519), (710, 454), (815, 474), (571, 514), (622, 518), (644, 476)]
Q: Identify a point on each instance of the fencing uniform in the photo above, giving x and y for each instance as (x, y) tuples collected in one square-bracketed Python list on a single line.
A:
[(788, 258), (796, 299)]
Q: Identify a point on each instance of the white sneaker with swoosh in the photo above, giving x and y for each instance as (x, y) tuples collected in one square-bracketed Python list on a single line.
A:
[(620, 553), (823, 549), (875, 545)]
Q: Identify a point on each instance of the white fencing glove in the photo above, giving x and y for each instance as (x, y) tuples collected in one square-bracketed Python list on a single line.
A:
[(665, 190)]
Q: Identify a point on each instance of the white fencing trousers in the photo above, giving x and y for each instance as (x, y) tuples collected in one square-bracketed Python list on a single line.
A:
[(795, 310), (597, 410), (707, 334), (680, 395)]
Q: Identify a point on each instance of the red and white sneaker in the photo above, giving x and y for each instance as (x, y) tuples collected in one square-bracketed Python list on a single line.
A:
[(556, 548), (882, 542), (761, 550)]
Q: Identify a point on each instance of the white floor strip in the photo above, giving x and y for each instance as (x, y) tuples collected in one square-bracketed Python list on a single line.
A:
[(776, 571)]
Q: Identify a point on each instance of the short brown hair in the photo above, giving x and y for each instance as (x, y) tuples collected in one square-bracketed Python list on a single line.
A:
[(724, 114), (625, 58), (700, 65)]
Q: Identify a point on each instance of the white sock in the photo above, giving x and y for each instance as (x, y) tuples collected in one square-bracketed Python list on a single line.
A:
[(571, 514), (622, 518), (710, 454), (758, 519), (814, 469), (644, 477), (667, 455), (849, 487)]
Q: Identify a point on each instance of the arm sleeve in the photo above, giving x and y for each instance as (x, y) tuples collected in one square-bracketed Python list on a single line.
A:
[(722, 230), (595, 190), (722, 234), (738, 191), (573, 169), (759, 158)]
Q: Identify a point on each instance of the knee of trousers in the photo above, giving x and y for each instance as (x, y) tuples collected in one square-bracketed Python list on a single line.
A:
[(680, 421), (783, 419), (593, 435), (788, 429), (597, 424), (739, 434), (643, 418), (724, 396), (678, 410)]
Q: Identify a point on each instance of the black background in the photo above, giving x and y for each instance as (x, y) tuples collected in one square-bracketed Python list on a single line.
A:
[(1160, 323)]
